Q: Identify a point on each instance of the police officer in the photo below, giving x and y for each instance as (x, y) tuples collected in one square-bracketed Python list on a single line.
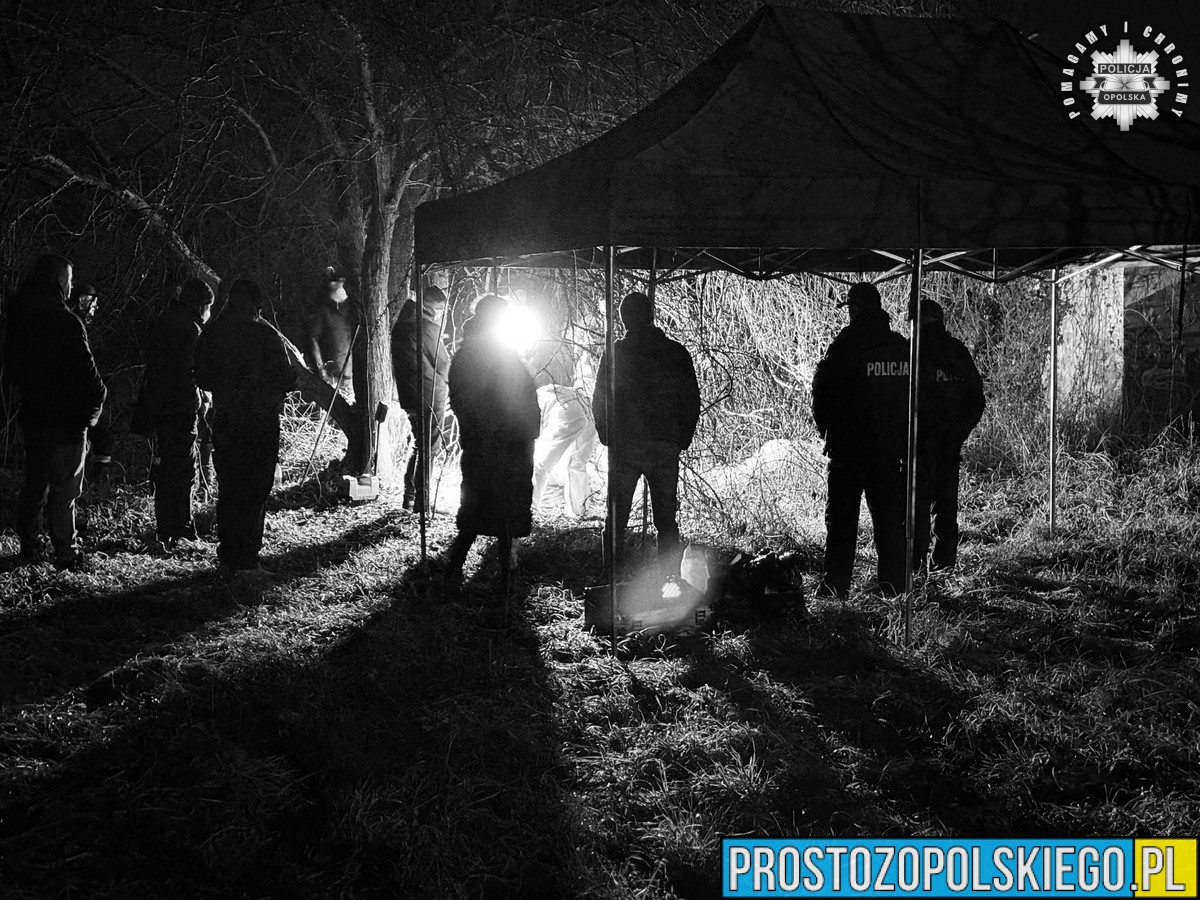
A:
[(859, 403), (952, 404), (242, 360), (657, 406), (169, 406)]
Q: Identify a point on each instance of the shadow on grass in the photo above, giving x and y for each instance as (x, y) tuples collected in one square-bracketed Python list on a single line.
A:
[(73, 638), (876, 722), (415, 756)]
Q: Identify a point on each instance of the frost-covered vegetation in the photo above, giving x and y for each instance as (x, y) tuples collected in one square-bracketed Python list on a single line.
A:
[(346, 731)]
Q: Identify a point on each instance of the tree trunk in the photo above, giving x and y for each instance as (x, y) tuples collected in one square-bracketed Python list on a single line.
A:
[(373, 382)]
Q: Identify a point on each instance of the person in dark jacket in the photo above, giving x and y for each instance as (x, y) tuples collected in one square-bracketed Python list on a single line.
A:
[(329, 331), (84, 302), (242, 360), (494, 399), (952, 404), (433, 370), (49, 363), (860, 406), (656, 408), (169, 405)]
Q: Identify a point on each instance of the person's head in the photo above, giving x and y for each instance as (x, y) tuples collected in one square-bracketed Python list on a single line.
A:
[(197, 297), (335, 284), (84, 300), (245, 298), (932, 313), (488, 310), (863, 297), (637, 310), (53, 267), (433, 300)]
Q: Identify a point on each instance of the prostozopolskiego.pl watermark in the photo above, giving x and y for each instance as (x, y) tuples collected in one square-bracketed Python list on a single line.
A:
[(1126, 74)]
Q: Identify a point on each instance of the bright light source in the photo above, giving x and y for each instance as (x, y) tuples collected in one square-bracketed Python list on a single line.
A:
[(519, 328)]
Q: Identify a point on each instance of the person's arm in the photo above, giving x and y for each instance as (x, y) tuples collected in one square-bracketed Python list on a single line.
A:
[(312, 342), (531, 411), (975, 400), (85, 377), (280, 374), (691, 400), (202, 364), (600, 401), (822, 391)]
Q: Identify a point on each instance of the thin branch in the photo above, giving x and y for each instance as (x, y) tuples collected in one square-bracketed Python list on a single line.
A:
[(131, 201)]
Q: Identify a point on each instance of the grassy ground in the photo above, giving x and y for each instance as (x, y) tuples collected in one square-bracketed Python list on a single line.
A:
[(165, 732)]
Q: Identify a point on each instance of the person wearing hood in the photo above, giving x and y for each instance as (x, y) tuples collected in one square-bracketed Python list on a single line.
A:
[(169, 406), (860, 407), (329, 331), (244, 363), (952, 404), (49, 363), (568, 432), (433, 370), (655, 411), (496, 405), (84, 302)]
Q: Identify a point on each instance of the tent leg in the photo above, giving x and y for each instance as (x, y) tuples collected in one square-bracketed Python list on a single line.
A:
[(419, 437), (1053, 399), (611, 538), (910, 467), (645, 485)]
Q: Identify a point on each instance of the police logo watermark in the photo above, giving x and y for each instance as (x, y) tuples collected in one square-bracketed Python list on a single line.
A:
[(1128, 75)]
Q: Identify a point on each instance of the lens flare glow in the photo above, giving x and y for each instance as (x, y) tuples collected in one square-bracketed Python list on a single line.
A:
[(519, 328)]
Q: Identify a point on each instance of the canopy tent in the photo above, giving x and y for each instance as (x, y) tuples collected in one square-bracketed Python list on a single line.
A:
[(823, 142), (810, 132)]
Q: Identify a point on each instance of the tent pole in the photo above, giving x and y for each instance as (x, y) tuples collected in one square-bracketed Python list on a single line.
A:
[(419, 437), (610, 419), (645, 486), (1053, 398), (910, 468)]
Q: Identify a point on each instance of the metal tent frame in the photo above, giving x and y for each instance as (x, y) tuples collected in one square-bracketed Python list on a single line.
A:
[(763, 265)]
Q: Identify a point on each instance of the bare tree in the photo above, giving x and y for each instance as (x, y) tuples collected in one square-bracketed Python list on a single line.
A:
[(265, 137)]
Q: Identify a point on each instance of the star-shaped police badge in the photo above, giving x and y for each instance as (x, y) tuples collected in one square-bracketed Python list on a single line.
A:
[(1124, 83)]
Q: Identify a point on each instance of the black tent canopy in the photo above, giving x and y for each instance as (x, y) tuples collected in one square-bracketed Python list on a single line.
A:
[(815, 132), (825, 142)]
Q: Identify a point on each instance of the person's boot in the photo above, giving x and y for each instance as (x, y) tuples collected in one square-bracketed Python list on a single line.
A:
[(456, 558)]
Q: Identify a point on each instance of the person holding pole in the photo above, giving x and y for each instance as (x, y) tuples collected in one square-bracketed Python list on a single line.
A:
[(859, 404), (952, 404)]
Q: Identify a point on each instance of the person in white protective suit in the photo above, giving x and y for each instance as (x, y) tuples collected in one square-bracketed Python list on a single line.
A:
[(568, 433)]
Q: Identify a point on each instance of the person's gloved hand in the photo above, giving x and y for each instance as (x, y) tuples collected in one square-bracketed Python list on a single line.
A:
[(331, 371)]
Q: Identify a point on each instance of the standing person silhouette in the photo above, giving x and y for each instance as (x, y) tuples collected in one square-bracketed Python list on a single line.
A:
[(655, 412), (860, 406), (952, 404), (494, 399)]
